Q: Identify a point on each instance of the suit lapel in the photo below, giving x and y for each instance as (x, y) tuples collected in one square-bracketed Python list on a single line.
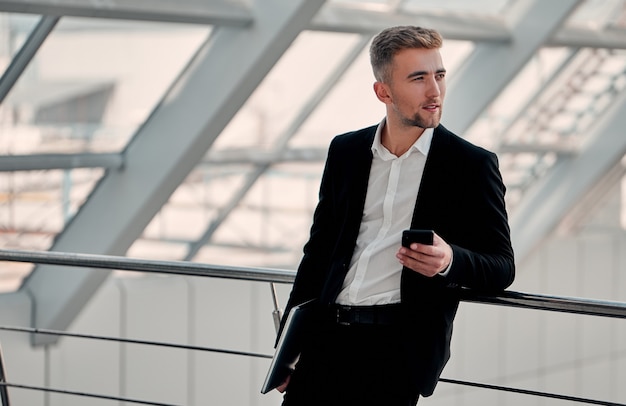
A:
[(435, 172), (358, 165)]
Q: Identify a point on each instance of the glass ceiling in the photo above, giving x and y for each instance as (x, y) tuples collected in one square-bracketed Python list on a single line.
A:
[(94, 82)]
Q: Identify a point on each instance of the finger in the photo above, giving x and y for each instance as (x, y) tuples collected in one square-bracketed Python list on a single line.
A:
[(282, 387), (426, 268)]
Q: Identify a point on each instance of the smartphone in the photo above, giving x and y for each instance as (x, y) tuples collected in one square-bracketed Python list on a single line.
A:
[(418, 236)]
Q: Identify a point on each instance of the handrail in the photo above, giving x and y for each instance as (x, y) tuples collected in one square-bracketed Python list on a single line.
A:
[(565, 304), (148, 266), (591, 307)]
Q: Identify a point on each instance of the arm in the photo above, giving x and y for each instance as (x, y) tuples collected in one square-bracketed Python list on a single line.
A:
[(486, 262), (479, 254)]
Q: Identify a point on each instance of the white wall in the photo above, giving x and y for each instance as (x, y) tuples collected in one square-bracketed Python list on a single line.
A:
[(23, 364)]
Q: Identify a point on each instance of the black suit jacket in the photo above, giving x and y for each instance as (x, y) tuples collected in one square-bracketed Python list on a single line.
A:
[(461, 198)]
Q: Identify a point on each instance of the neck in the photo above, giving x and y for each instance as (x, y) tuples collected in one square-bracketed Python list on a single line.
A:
[(398, 139)]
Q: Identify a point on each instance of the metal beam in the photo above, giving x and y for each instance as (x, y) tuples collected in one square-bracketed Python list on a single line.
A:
[(582, 37), (549, 80), (491, 67), (37, 162), (554, 196), (339, 18), (333, 17), (236, 156), (247, 156), (214, 12), (280, 145), (559, 148), (26, 53), (175, 138)]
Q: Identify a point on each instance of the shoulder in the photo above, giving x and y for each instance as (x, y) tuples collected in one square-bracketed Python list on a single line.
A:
[(454, 145), (355, 139)]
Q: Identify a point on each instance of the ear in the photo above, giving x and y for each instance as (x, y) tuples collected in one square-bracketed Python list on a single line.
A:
[(382, 92)]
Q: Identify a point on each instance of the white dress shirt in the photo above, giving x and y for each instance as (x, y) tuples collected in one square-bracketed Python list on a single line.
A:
[(374, 274)]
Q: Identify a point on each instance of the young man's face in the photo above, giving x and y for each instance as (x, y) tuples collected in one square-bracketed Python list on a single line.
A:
[(417, 87)]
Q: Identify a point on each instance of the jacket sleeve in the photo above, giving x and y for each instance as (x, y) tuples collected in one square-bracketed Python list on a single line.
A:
[(484, 260)]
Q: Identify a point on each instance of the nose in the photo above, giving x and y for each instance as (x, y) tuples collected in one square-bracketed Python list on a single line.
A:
[(434, 89)]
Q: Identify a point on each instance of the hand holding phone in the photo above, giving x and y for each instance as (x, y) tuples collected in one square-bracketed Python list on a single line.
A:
[(428, 261)]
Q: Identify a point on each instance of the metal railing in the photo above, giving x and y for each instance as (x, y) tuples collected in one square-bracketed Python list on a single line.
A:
[(4, 395), (601, 308)]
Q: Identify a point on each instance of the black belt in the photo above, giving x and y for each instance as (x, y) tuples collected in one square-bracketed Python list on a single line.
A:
[(372, 315)]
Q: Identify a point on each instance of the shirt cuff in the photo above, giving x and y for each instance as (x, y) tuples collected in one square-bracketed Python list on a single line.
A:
[(447, 270)]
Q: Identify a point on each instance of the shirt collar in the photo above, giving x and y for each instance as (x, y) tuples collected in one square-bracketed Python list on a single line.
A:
[(422, 144)]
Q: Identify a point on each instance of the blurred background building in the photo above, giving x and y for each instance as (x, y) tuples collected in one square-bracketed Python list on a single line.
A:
[(196, 130)]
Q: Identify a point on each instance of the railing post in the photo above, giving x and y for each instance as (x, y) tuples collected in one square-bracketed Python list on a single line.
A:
[(277, 313), (4, 395)]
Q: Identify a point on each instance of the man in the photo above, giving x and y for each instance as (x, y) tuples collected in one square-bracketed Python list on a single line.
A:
[(384, 314)]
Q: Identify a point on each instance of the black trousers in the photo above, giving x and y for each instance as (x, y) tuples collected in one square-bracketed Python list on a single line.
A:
[(345, 365)]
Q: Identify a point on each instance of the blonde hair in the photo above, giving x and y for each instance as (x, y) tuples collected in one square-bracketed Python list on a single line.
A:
[(395, 39)]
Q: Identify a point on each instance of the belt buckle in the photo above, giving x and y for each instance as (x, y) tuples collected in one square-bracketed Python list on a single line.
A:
[(338, 318)]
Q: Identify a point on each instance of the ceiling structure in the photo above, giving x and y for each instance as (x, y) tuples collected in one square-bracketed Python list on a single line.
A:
[(197, 130)]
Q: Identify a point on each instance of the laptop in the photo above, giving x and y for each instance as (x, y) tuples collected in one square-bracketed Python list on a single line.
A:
[(288, 347)]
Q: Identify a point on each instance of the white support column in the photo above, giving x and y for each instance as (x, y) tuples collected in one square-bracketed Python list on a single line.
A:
[(181, 129), (491, 67), (573, 177)]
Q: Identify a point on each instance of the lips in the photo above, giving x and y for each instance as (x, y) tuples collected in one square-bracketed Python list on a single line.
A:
[(431, 107)]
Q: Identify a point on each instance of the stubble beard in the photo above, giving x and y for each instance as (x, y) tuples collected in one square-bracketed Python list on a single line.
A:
[(421, 122)]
